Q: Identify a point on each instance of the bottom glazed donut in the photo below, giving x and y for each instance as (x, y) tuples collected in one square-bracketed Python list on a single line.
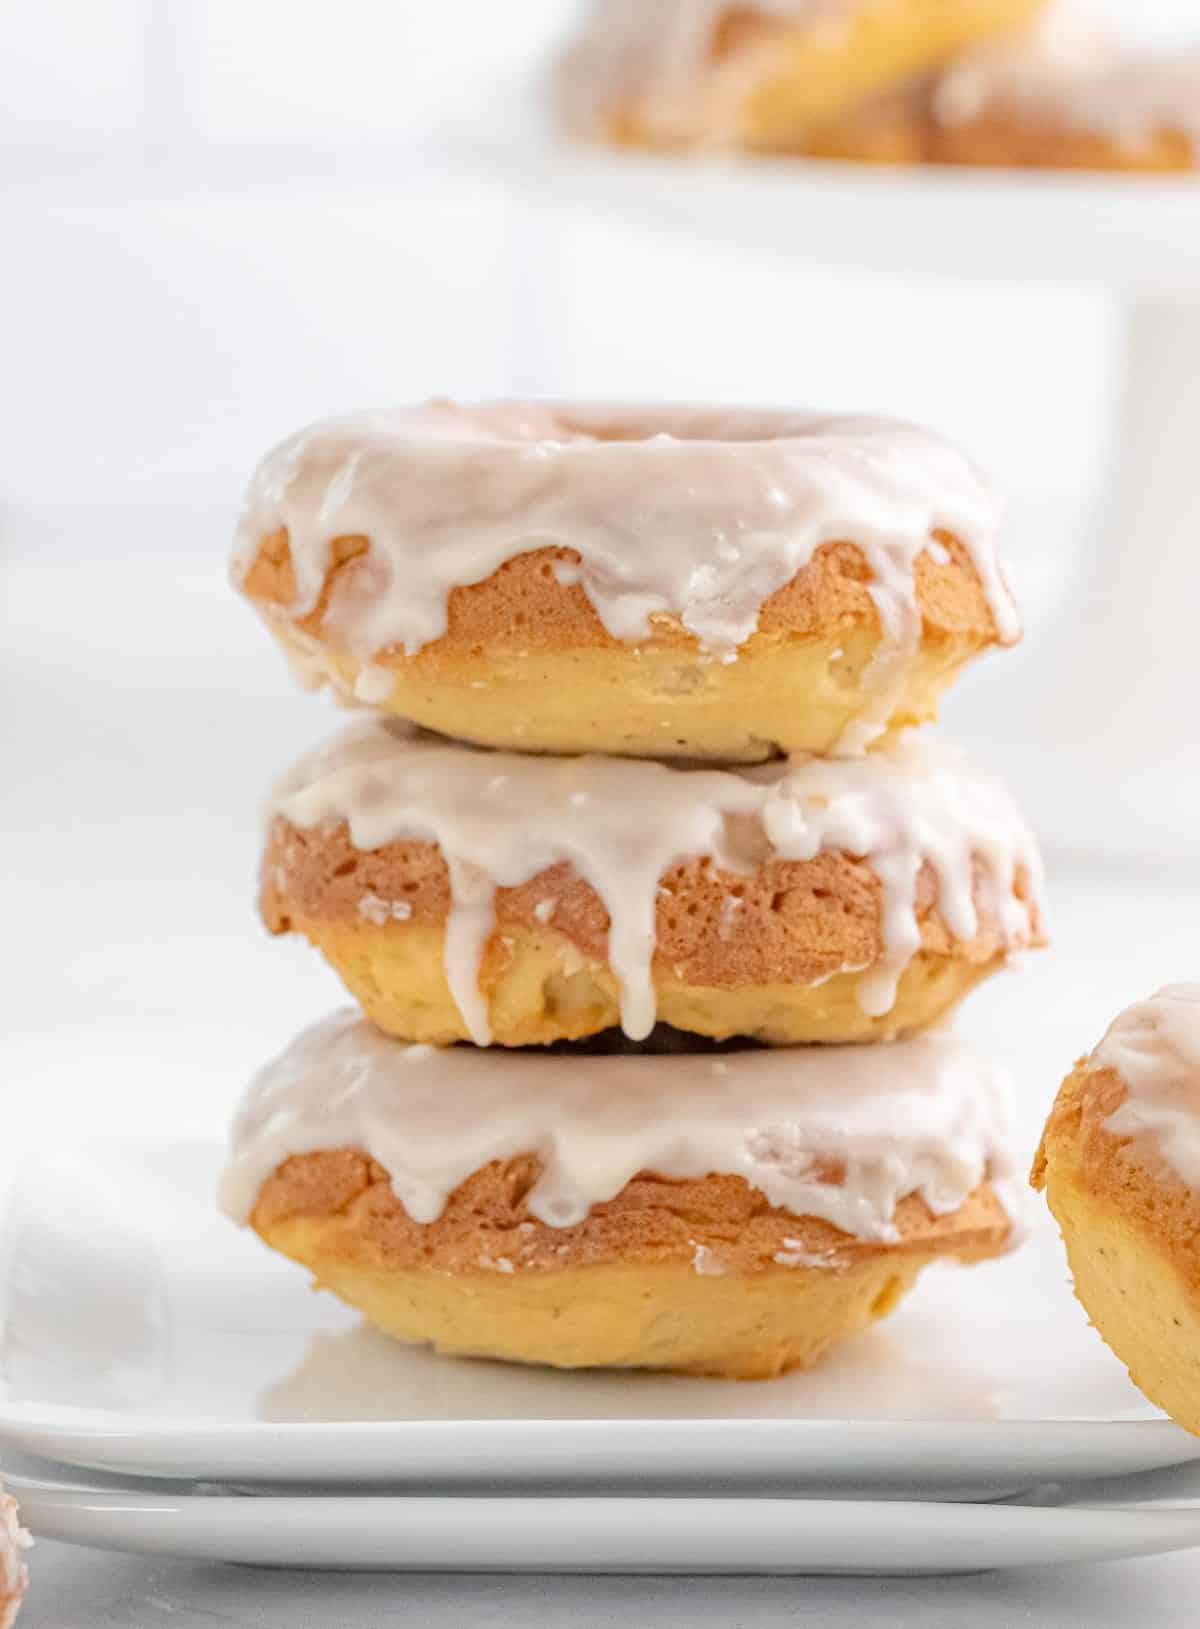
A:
[(730, 1213)]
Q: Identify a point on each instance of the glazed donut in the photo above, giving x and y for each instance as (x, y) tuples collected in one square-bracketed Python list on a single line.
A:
[(464, 894), (1120, 1165), (731, 1214), (772, 75), (14, 1575), (662, 581), (1068, 96)]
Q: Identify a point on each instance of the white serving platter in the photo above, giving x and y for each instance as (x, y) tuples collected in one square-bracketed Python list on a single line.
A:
[(140, 1332)]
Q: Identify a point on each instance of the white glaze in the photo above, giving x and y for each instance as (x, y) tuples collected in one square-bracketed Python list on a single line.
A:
[(1072, 71), (1155, 1048), (920, 1116), (373, 909), (701, 513), (14, 1576), (500, 818)]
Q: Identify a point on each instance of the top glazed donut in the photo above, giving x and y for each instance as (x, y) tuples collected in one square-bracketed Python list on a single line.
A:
[(654, 581)]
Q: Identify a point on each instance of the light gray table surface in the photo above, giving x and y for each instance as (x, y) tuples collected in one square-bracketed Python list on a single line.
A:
[(84, 1589)]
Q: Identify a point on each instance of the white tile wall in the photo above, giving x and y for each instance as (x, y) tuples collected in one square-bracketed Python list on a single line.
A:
[(72, 73), (222, 217), (77, 75), (153, 349), (277, 73)]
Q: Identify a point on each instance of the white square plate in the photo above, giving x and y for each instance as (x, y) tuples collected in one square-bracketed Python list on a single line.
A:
[(141, 1332)]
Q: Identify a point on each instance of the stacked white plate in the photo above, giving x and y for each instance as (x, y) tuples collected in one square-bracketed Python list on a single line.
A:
[(197, 1400)]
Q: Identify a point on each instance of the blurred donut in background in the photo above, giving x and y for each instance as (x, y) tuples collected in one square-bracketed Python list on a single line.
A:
[(1120, 1166)]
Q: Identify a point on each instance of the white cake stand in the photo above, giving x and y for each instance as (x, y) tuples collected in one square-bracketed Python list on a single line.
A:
[(1100, 727)]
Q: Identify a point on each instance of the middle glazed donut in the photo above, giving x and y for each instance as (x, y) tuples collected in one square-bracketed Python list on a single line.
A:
[(656, 581), (463, 894)]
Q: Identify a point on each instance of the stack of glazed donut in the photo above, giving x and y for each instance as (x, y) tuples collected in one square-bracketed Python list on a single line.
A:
[(629, 862), (1024, 83)]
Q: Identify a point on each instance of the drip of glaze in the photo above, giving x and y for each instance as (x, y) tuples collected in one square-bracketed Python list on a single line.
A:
[(840, 1133), (500, 819), (1155, 1048), (468, 929), (696, 513)]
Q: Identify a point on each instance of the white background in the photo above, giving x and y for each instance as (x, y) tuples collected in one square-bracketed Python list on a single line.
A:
[(222, 218)]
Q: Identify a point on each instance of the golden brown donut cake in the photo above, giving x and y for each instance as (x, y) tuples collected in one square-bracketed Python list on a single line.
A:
[(464, 894), (1120, 1166), (654, 581), (793, 76), (1069, 96), (731, 1214)]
